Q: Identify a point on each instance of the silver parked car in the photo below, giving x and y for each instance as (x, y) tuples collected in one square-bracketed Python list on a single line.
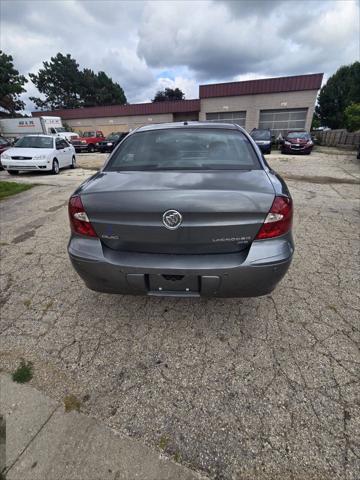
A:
[(184, 209)]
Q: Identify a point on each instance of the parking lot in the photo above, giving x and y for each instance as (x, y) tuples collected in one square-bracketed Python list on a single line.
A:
[(258, 388)]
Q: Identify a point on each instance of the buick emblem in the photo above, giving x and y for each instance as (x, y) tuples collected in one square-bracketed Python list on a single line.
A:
[(172, 219)]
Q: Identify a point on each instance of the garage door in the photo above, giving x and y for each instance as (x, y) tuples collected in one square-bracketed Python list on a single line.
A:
[(283, 120), (227, 117)]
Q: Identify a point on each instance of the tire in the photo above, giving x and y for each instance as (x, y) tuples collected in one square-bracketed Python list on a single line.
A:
[(13, 172), (91, 148), (55, 167), (73, 162)]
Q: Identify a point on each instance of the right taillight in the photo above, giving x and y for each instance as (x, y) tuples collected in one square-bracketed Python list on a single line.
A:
[(79, 220), (279, 219)]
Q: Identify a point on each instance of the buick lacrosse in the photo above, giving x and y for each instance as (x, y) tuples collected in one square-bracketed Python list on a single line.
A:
[(183, 209)]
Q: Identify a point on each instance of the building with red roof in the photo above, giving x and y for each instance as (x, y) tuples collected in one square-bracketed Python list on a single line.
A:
[(281, 104)]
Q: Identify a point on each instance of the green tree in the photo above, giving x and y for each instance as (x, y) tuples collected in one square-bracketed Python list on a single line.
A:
[(11, 85), (63, 85), (352, 117), (316, 123), (99, 89), (88, 87), (59, 81), (342, 89), (168, 94), (107, 92)]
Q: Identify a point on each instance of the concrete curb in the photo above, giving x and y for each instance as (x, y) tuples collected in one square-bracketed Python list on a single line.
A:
[(45, 443)]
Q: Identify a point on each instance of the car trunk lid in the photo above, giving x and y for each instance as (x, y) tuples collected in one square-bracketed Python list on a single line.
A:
[(221, 210)]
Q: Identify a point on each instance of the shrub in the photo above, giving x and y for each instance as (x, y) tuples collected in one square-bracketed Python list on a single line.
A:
[(352, 117)]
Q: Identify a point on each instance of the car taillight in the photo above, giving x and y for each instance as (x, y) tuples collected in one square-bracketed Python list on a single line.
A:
[(79, 220), (279, 219)]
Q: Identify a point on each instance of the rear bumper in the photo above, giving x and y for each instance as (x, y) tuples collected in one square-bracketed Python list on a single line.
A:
[(219, 275)]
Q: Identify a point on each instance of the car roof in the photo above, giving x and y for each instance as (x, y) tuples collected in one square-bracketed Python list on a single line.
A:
[(187, 125)]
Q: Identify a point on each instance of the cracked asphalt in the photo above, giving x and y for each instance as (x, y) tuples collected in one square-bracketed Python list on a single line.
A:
[(261, 388)]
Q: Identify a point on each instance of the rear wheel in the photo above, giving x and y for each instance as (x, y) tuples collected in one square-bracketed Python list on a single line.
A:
[(73, 162), (55, 167), (13, 172), (91, 148)]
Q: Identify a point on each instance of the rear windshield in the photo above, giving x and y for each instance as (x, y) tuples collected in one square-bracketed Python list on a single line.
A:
[(261, 135), (185, 149), (35, 142)]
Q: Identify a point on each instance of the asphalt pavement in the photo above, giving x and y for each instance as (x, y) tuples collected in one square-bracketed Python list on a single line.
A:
[(261, 388)]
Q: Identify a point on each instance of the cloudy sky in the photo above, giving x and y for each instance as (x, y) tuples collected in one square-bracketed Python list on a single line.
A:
[(149, 45)]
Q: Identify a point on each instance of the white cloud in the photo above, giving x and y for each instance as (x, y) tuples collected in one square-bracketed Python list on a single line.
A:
[(219, 40), (149, 45)]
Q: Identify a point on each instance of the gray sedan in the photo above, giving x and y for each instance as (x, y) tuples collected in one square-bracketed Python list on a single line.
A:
[(183, 209)]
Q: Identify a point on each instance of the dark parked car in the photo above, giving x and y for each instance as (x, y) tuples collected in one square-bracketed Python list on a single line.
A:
[(184, 209), (297, 142), (110, 142), (4, 145), (262, 139)]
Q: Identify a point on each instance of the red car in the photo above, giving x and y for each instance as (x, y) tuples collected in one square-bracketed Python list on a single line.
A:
[(88, 141), (297, 142)]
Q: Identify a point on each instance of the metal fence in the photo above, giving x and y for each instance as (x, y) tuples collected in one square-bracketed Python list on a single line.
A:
[(338, 138)]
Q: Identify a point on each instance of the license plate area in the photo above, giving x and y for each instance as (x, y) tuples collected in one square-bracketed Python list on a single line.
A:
[(174, 283)]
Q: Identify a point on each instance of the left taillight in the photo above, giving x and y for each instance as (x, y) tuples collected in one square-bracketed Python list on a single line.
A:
[(279, 219), (79, 220)]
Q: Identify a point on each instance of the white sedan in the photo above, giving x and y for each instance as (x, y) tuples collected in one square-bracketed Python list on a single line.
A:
[(40, 153)]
